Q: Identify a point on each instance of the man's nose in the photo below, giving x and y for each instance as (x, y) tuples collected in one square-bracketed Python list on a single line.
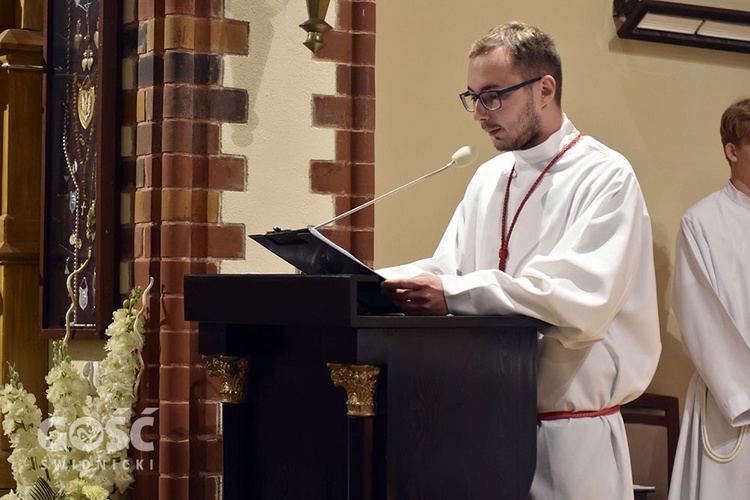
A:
[(480, 112)]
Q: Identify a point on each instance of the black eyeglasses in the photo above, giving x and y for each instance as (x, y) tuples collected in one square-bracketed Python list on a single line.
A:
[(490, 99)]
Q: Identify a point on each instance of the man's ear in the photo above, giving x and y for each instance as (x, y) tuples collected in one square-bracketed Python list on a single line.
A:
[(548, 87), (730, 150)]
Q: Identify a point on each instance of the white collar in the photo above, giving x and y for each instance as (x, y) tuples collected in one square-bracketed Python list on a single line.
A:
[(539, 156), (736, 195)]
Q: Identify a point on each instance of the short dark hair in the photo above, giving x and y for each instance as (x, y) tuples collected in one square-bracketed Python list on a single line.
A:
[(533, 51)]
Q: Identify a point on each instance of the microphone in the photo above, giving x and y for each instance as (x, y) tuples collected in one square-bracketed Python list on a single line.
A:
[(462, 157)]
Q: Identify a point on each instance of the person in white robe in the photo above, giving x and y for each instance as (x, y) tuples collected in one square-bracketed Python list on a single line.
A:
[(579, 257), (711, 300)]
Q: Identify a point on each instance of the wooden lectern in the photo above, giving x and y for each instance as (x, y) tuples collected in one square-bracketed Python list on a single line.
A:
[(439, 407)]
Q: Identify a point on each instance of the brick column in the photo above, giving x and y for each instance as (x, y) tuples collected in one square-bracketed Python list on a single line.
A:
[(350, 177), (180, 173)]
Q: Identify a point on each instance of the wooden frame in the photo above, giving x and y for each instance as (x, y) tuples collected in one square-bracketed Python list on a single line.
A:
[(81, 144), (632, 12)]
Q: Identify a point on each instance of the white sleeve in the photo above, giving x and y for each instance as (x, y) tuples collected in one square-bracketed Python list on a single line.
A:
[(579, 286), (711, 337)]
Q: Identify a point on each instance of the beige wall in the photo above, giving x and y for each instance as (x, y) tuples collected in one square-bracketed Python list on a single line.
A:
[(657, 104), (278, 140)]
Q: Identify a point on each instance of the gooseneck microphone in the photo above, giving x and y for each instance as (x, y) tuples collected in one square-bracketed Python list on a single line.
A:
[(462, 157)]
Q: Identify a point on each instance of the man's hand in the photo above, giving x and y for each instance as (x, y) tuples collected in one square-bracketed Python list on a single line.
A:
[(420, 295)]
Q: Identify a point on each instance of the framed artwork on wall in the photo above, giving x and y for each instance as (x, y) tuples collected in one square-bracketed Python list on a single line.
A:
[(81, 159)]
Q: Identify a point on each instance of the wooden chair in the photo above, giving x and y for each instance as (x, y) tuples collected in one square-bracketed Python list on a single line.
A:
[(652, 410)]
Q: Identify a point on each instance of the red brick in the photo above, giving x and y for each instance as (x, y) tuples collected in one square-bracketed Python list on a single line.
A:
[(363, 114), (338, 47), (172, 273), (148, 171), (176, 347), (182, 170), (226, 241), (171, 488), (174, 383), (332, 111), (363, 48), (216, 8), (204, 418), (143, 270), (146, 484), (149, 388), (364, 219), (180, 7), (174, 458), (362, 245), (206, 455), (153, 99), (179, 101), (344, 79), (363, 147), (202, 386), (183, 136), (174, 419), (343, 145), (329, 177), (344, 21), (363, 17), (184, 240), (343, 203), (363, 179), (173, 319), (227, 172), (147, 240), (149, 9), (204, 487), (363, 81), (148, 138), (151, 348)]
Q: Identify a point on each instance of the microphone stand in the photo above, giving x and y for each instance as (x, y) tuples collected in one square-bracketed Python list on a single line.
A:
[(365, 205)]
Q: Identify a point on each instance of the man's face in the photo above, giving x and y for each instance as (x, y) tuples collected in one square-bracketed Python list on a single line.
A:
[(516, 125)]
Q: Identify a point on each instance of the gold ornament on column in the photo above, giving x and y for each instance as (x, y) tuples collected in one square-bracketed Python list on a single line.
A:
[(316, 26), (359, 382), (232, 373)]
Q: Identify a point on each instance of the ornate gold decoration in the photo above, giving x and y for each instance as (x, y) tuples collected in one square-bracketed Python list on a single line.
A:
[(316, 26), (78, 36), (86, 100), (232, 373), (88, 60), (359, 382), (91, 221)]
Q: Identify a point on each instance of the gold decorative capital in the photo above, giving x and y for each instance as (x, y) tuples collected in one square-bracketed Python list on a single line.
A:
[(232, 373), (359, 382)]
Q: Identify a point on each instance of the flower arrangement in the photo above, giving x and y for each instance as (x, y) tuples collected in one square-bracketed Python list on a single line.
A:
[(81, 451)]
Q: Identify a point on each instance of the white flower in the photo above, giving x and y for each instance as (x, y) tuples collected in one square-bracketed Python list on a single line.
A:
[(78, 457), (95, 493)]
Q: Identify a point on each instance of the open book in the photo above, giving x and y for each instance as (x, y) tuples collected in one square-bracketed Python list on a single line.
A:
[(312, 253)]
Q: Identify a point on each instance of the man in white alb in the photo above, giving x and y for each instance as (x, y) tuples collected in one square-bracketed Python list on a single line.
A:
[(555, 229), (711, 299)]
